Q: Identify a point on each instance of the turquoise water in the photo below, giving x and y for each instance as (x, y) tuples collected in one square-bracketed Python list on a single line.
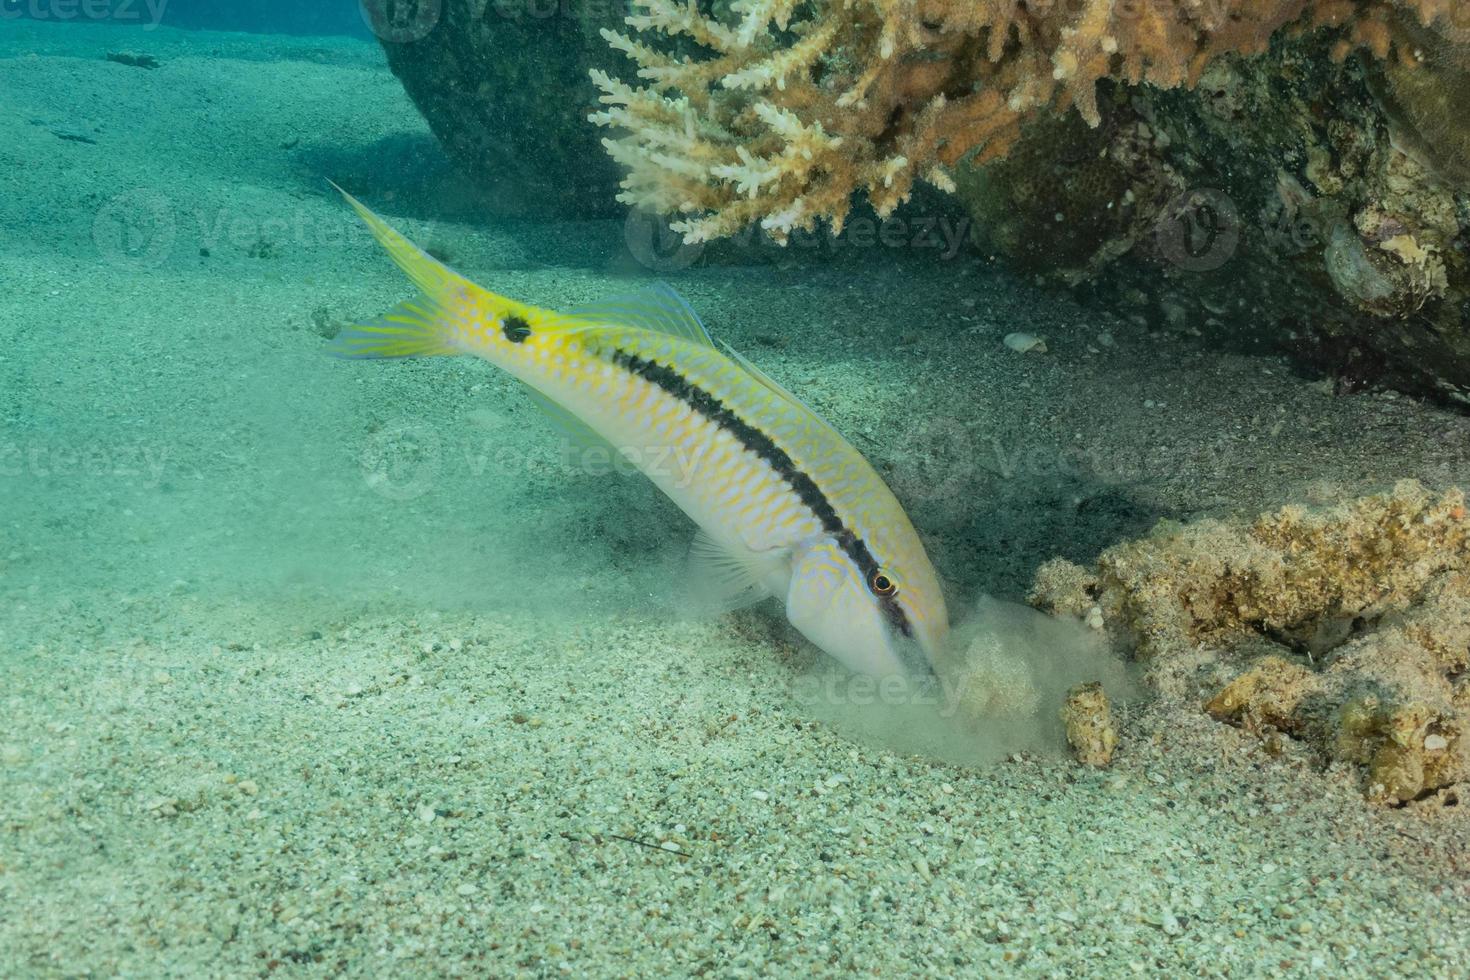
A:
[(320, 666)]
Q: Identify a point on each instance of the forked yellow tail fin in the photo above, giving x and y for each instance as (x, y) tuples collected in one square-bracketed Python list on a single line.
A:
[(422, 326)]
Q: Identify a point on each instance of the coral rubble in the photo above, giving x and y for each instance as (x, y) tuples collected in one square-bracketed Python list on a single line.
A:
[(1089, 721), (1348, 628)]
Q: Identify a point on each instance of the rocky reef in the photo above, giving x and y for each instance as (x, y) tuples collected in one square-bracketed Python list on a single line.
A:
[(1157, 153), (1347, 628), (504, 87), (774, 111), (1335, 191)]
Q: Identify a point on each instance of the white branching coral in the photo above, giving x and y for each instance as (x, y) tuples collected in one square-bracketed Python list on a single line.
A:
[(776, 111)]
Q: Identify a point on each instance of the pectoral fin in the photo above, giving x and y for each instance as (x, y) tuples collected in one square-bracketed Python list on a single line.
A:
[(729, 576)]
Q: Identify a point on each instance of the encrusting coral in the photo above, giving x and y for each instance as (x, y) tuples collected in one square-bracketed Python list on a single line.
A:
[(775, 112), (1347, 628)]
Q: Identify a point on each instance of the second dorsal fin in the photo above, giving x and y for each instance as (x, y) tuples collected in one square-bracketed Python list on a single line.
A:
[(658, 308)]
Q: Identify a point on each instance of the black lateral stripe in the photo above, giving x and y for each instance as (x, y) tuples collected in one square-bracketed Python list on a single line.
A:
[(753, 439)]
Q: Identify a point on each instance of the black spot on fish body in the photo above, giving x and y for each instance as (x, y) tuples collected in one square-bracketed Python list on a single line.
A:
[(515, 329)]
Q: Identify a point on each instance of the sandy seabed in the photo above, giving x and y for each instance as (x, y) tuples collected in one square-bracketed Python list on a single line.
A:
[(317, 667)]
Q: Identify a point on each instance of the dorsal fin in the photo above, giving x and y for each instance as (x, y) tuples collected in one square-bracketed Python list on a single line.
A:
[(658, 308), (770, 382), (762, 376), (661, 309)]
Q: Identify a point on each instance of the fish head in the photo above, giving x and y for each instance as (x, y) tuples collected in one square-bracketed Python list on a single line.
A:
[(883, 620)]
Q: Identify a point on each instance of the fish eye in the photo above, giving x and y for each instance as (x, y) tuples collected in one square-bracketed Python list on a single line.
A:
[(882, 585)]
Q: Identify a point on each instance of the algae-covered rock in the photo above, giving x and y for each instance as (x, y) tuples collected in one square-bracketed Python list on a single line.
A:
[(1347, 628), (504, 87), (1424, 97), (1089, 721), (1301, 578), (1294, 201), (1269, 693)]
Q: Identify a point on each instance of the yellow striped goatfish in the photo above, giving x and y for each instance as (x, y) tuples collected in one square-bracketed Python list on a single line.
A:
[(786, 506)]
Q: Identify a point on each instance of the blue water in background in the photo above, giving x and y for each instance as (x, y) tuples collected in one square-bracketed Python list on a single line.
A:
[(302, 17)]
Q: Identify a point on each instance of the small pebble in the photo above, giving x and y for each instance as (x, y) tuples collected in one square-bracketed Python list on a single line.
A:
[(1025, 343), (162, 805)]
